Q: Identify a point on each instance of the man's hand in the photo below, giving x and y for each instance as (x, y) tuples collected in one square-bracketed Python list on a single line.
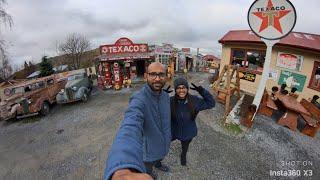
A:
[(167, 89), (196, 88), (127, 174)]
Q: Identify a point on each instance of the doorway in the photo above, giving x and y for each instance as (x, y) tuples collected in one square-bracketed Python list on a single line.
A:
[(140, 67)]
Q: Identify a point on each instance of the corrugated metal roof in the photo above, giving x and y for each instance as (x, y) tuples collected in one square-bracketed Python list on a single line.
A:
[(34, 74), (60, 68), (294, 39)]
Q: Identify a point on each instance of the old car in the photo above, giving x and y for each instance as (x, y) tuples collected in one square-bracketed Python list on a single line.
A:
[(78, 87), (30, 98)]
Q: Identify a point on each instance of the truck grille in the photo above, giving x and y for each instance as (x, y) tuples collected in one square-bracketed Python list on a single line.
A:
[(3, 112), (70, 93)]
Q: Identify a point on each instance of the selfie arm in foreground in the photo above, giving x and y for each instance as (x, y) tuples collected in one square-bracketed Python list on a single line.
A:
[(126, 151)]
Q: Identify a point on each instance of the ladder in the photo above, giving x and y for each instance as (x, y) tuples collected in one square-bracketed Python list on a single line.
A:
[(228, 76)]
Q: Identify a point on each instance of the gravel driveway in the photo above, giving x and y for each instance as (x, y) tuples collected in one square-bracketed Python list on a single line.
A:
[(73, 141)]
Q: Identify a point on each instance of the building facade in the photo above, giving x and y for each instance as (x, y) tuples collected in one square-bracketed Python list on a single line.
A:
[(122, 62), (295, 61)]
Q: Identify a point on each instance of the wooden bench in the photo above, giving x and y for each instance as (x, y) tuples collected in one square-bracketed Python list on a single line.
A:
[(311, 108), (313, 121), (267, 105)]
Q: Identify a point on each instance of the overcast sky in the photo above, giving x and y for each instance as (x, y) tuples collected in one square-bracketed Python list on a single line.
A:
[(40, 24)]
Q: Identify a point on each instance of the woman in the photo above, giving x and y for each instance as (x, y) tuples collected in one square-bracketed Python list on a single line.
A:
[(184, 110)]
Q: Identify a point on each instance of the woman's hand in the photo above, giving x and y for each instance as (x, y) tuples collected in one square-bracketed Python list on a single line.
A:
[(167, 90), (197, 88)]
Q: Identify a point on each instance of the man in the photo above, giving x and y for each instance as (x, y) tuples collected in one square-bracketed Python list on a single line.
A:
[(144, 136)]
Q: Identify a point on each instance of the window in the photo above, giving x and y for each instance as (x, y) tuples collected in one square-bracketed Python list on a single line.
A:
[(251, 60), (50, 81), (34, 86), (76, 76), (315, 77)]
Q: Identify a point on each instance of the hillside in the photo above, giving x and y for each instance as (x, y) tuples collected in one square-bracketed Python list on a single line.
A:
[(86, 61)]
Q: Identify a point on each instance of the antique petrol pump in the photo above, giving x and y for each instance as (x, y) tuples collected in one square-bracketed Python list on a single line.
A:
[(117, 77), (126, 74), (107, 75)]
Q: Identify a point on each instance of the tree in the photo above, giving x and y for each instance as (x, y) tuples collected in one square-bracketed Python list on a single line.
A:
[(5, 67), (29, 68), (45, 67), (26, 65), (30, 64), (74, 47), (6, 19)]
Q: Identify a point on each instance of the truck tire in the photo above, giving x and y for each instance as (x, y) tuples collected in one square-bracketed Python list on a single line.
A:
[(85, 97), (45, 109)]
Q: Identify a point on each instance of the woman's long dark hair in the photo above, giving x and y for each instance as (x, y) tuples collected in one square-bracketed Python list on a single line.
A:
[(174, 107)]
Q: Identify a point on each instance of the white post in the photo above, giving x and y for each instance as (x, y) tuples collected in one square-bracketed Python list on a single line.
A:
[(265, 73), (177, 62)]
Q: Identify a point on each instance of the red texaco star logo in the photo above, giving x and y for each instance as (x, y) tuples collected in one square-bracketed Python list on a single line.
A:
[(271, 17)]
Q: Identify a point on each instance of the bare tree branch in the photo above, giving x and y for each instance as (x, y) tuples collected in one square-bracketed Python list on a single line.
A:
[(5, 18), (74, 47), (5, 67)]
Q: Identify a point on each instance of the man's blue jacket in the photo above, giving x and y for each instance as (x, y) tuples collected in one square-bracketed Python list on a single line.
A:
[(145, 132)]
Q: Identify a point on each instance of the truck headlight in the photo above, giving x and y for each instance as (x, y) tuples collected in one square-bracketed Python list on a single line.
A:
[(61, 91), (74, 88)]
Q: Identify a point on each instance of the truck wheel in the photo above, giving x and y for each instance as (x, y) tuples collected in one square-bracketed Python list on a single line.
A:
[(45, 109), (85, 97)]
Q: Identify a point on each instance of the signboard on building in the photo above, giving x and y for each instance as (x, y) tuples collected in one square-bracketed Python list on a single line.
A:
[(292, 80), (158, 49), (123, 45), (186, 50), (289, 61), (273, 74), (248, 76), (167, 48)]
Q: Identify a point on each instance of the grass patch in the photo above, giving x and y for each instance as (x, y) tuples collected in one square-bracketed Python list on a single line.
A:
[(232, 128)]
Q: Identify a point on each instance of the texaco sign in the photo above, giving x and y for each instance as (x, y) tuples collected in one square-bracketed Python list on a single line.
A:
[(123, 45), (272, 19)]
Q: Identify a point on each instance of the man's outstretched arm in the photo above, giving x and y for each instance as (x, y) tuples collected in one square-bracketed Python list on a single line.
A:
[(126, 154)]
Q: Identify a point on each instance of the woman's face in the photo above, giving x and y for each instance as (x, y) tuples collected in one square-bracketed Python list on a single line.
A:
[(181, 91)]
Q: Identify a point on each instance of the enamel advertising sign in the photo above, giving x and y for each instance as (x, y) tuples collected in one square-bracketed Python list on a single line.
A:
[(123, 45), (289, 61), (272, 19)]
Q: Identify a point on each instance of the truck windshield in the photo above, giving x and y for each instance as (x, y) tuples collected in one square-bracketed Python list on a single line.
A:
[(75, 76)]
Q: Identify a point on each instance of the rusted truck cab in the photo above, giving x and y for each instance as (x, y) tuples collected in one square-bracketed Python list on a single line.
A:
[(30, 98)]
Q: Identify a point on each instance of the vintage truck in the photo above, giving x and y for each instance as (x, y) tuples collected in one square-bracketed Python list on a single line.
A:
[(30, 98), (78, 87)]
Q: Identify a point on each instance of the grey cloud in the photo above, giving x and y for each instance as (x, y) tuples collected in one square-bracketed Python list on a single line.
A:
[(38, 25)]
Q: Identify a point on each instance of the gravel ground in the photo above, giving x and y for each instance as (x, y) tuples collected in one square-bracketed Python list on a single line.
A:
[(73, 141)]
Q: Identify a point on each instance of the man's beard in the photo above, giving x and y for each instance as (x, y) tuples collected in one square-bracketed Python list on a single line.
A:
[(156, 86)]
